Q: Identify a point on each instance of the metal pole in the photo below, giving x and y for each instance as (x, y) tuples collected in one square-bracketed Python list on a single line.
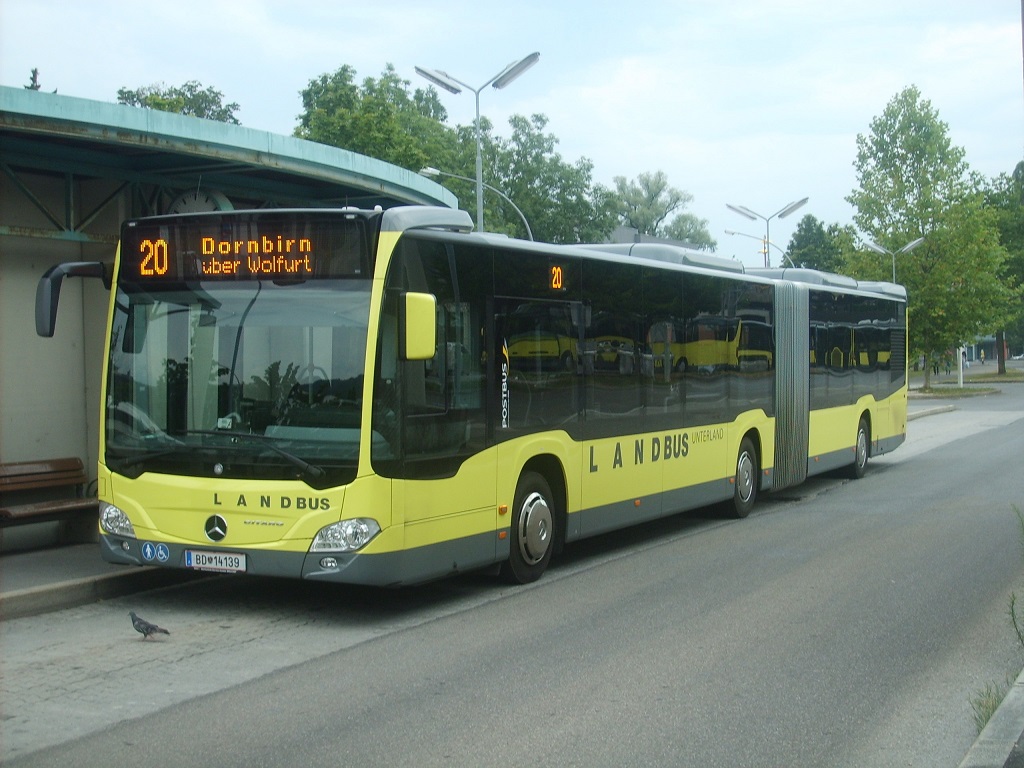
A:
[(435, 172), (479, 169)]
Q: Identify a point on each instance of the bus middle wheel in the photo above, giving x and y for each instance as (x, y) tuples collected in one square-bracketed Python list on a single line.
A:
[(745, 488)]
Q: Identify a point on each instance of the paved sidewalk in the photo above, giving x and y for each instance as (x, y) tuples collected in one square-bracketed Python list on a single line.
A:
[(42, 580)]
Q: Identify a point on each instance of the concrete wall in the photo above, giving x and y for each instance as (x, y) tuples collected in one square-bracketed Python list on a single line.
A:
[(50, 388)]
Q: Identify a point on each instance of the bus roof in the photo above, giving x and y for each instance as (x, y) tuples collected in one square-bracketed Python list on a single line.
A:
[(831, 280)]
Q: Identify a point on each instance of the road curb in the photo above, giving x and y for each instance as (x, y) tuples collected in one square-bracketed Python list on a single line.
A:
[(994, 745), (89, 589), (930, 411)]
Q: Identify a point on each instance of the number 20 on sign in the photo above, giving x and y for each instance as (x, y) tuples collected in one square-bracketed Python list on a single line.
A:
[(556, 277)]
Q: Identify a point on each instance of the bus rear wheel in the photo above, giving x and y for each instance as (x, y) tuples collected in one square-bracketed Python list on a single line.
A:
[(745, 487), (532, 530), (860, 452)]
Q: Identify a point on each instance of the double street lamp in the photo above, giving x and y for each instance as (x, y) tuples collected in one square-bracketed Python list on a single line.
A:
[(782, 213), (442, 79), (871, 246), (428, 171)]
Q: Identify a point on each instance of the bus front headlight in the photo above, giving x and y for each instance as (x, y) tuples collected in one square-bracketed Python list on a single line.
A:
[(114, 521), (345, 536)]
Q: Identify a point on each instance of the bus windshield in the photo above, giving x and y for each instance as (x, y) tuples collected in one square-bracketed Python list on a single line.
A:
[(238, 376)]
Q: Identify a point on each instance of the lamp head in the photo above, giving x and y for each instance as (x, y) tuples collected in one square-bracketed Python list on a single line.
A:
[(742, 211), (792, 207), (911, 245), (515, 69), (440, 79)]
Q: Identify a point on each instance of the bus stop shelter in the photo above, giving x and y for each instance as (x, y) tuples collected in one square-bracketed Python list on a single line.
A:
[(72, 171)]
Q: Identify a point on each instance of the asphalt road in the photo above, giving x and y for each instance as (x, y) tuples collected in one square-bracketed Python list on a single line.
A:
[(842, 624)]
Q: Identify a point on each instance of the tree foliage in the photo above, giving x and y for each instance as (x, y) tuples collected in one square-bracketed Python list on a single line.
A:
[(646, 203), (815, 246), (558, 198), (188, 99), (1005, 195), (381, 118), (384, 118), (914, 182)]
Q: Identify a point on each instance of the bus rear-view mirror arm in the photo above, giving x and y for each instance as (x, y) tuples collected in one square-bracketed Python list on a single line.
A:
[(48, 290)]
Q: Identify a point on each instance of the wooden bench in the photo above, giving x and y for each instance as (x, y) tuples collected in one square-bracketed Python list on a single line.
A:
[(43, 491)]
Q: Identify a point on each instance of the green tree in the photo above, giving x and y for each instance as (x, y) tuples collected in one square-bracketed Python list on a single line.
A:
[(914, 182), (815, 246), (188, 99), (385, 119), (1005, 195), (689, 228), (380, 118), (646, 203), (558, 198)]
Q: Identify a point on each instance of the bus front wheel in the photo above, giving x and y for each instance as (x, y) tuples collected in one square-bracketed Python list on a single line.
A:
[(745, 487), (532, 530)]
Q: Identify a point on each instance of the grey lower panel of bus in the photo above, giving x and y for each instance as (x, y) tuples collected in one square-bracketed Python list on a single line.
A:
[(845, 457), (610, 517), (383, 570), (889, 444), (829, 461)]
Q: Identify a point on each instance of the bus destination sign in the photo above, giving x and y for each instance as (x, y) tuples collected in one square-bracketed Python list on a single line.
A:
[(272, 257), (242, 249)]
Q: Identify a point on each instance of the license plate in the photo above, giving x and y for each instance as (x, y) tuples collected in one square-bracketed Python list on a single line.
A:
[(226, 562)]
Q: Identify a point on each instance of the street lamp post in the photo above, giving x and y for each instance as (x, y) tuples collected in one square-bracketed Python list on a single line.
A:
[(872, 246), (428, 171), (442, 79), (782, 213), (762, 241)]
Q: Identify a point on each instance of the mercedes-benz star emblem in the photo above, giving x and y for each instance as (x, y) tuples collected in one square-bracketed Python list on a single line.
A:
[(216, 528)]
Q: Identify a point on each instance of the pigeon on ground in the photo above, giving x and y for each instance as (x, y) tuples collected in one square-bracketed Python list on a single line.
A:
[(144, 627)]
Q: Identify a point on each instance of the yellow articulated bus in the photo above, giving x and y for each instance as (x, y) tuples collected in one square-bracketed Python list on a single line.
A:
[(354, 396)]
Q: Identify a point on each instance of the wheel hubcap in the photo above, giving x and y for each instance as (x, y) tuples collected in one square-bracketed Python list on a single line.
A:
[(534, 528), (745, 477)]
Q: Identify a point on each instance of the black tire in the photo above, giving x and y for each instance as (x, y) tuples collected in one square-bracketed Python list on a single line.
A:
[(747, 476), (532, 530), (860, 452)]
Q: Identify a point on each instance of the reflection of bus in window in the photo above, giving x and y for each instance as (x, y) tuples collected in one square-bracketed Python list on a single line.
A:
[(612, 338), (706, 344), (754, 344), (386, 397), (709, 343), (541, 338)]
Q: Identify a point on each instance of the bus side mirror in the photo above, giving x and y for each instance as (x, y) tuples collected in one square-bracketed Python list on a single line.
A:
[(48, 290), (417, 322)]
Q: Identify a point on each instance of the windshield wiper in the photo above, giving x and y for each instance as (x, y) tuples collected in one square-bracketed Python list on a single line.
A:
[(310, 471), (166, 445)]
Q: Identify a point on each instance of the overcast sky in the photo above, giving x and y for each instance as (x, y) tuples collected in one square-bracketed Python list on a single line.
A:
[(752, 102)]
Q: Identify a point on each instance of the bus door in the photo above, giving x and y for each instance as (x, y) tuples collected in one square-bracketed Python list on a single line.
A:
[(430, 415)]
